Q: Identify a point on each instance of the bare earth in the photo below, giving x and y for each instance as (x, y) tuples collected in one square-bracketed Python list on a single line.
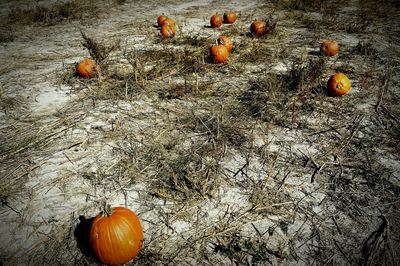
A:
[(245, 163)]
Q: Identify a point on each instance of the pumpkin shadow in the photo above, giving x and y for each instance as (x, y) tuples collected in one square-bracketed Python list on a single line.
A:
[(315, 53), (82, 235)]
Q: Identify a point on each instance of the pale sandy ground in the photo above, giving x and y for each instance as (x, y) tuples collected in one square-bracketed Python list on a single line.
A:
[(43, 212)]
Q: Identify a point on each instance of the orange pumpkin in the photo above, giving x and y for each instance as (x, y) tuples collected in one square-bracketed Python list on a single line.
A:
[(229, 17), (258, 27), (226, 41), (219, 53), (87, 68), (160, 20), (168, 21), (329, 47), (117, 236), (338, 84), (167, 31), (216, 20)]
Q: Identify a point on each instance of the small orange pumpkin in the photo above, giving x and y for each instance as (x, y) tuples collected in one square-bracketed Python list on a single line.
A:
[(168, 21), (116, 237), (219, 53), (167, 31), (338, 84), (230, 17), (329, 47), (216, 20), (226, 41), (87, 68), (160, 20), (258, 27)]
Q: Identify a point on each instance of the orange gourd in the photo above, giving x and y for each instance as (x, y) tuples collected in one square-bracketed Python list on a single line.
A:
[(116, 237), (168, 21), (229, 17), (329, 47), (216, 20), (219, 53), (160, 20), (226, 41), (87, 68), (338, 84), (167, 31), (258, 27)]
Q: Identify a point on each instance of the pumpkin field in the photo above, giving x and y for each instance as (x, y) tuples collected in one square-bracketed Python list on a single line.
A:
[(200, 132)]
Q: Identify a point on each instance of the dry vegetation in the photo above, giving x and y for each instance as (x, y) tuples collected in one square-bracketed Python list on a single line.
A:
[(248, 162)]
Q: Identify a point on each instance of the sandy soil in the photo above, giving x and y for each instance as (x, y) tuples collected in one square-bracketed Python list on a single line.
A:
[(321, 190)]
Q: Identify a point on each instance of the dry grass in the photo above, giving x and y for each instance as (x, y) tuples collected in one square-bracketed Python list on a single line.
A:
[(186, 132), (56, 13)]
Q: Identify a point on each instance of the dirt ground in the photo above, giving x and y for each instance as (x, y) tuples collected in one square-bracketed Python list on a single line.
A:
[(245, 163)]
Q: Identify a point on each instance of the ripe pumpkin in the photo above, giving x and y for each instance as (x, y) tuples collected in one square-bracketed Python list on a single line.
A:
[(160, 20), (216, 20), (117, 236), (329, 47), (229, 17), (87, 68), (258, 27), (168, 21), (226, 41), (219, 53), (338, 84), (167, 31)]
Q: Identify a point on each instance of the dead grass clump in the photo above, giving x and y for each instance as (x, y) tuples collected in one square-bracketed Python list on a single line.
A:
[(219, 127), (6, 34), (365, 49), (162, 64), (256, 53), (98, 51), (194, 40), (185, 177), (191, 87), (48, 15), (56, 13), (240, 248), (9, 103), (281, 98), (264, 98), (304, 5)]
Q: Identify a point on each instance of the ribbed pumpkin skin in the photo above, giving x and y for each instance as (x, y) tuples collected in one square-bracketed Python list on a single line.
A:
[(160, 20), (338, 84), (117, 238), (229, 17), (87, 68), (226, 41), (216, 20), (167, 31), (258, 27), (329, 48), (219, 53), (168, 21)]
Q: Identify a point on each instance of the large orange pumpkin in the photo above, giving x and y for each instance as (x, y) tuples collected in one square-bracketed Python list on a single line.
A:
[(229, 17), (160, 20), (168, 21), (219, 53), (329, 47), (258, 27), (167, 31), (216, 20), (117, 236), (338, 84), (225, 40), (87, 68)]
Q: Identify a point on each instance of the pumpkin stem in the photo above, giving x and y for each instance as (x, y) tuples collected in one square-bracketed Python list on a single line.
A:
[(107, 209)]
